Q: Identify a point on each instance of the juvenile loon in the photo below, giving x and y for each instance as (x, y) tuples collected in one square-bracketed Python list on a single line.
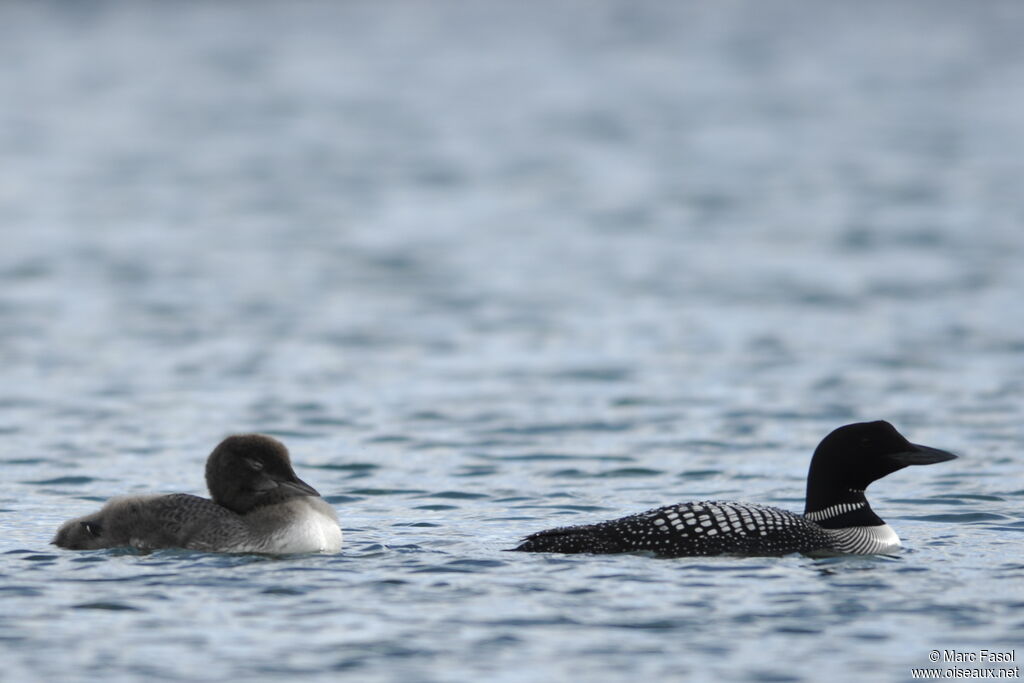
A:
[(837, 517), (259, 505)]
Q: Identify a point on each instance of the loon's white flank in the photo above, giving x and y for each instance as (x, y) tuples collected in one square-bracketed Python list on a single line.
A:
[(867, 540)]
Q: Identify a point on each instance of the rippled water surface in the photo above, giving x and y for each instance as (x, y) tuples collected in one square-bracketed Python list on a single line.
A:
[(492, 267)]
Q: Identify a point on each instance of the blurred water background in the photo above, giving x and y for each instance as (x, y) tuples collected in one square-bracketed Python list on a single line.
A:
[(492, 267)]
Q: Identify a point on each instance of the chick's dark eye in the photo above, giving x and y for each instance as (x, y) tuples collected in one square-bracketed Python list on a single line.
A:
[(254, 465), (92, 528)]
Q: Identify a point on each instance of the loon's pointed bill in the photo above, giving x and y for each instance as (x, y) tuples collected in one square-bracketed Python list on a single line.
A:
[(837, 517), (924, 455), (300, 486)]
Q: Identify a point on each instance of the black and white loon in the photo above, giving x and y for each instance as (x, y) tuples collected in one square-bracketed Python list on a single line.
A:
[(259, 505), (837, 517)]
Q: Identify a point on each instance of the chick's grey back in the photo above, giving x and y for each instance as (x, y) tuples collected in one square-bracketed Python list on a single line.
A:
[(179, 520)]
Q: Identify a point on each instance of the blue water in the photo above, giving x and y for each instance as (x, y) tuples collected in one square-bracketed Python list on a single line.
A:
[(493, 267)]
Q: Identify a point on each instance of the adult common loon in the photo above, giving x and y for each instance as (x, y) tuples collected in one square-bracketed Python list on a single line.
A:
[(836, 519), (259, 505)]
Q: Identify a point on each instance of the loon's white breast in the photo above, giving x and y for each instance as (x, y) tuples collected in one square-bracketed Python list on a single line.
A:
[(867, 540), (299, 525)]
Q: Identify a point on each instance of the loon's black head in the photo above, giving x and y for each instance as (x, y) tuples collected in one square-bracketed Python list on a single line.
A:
[(246, 471), (851, 457)]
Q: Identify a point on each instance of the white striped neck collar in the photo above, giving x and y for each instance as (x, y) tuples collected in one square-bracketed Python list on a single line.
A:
[(849, 509)]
